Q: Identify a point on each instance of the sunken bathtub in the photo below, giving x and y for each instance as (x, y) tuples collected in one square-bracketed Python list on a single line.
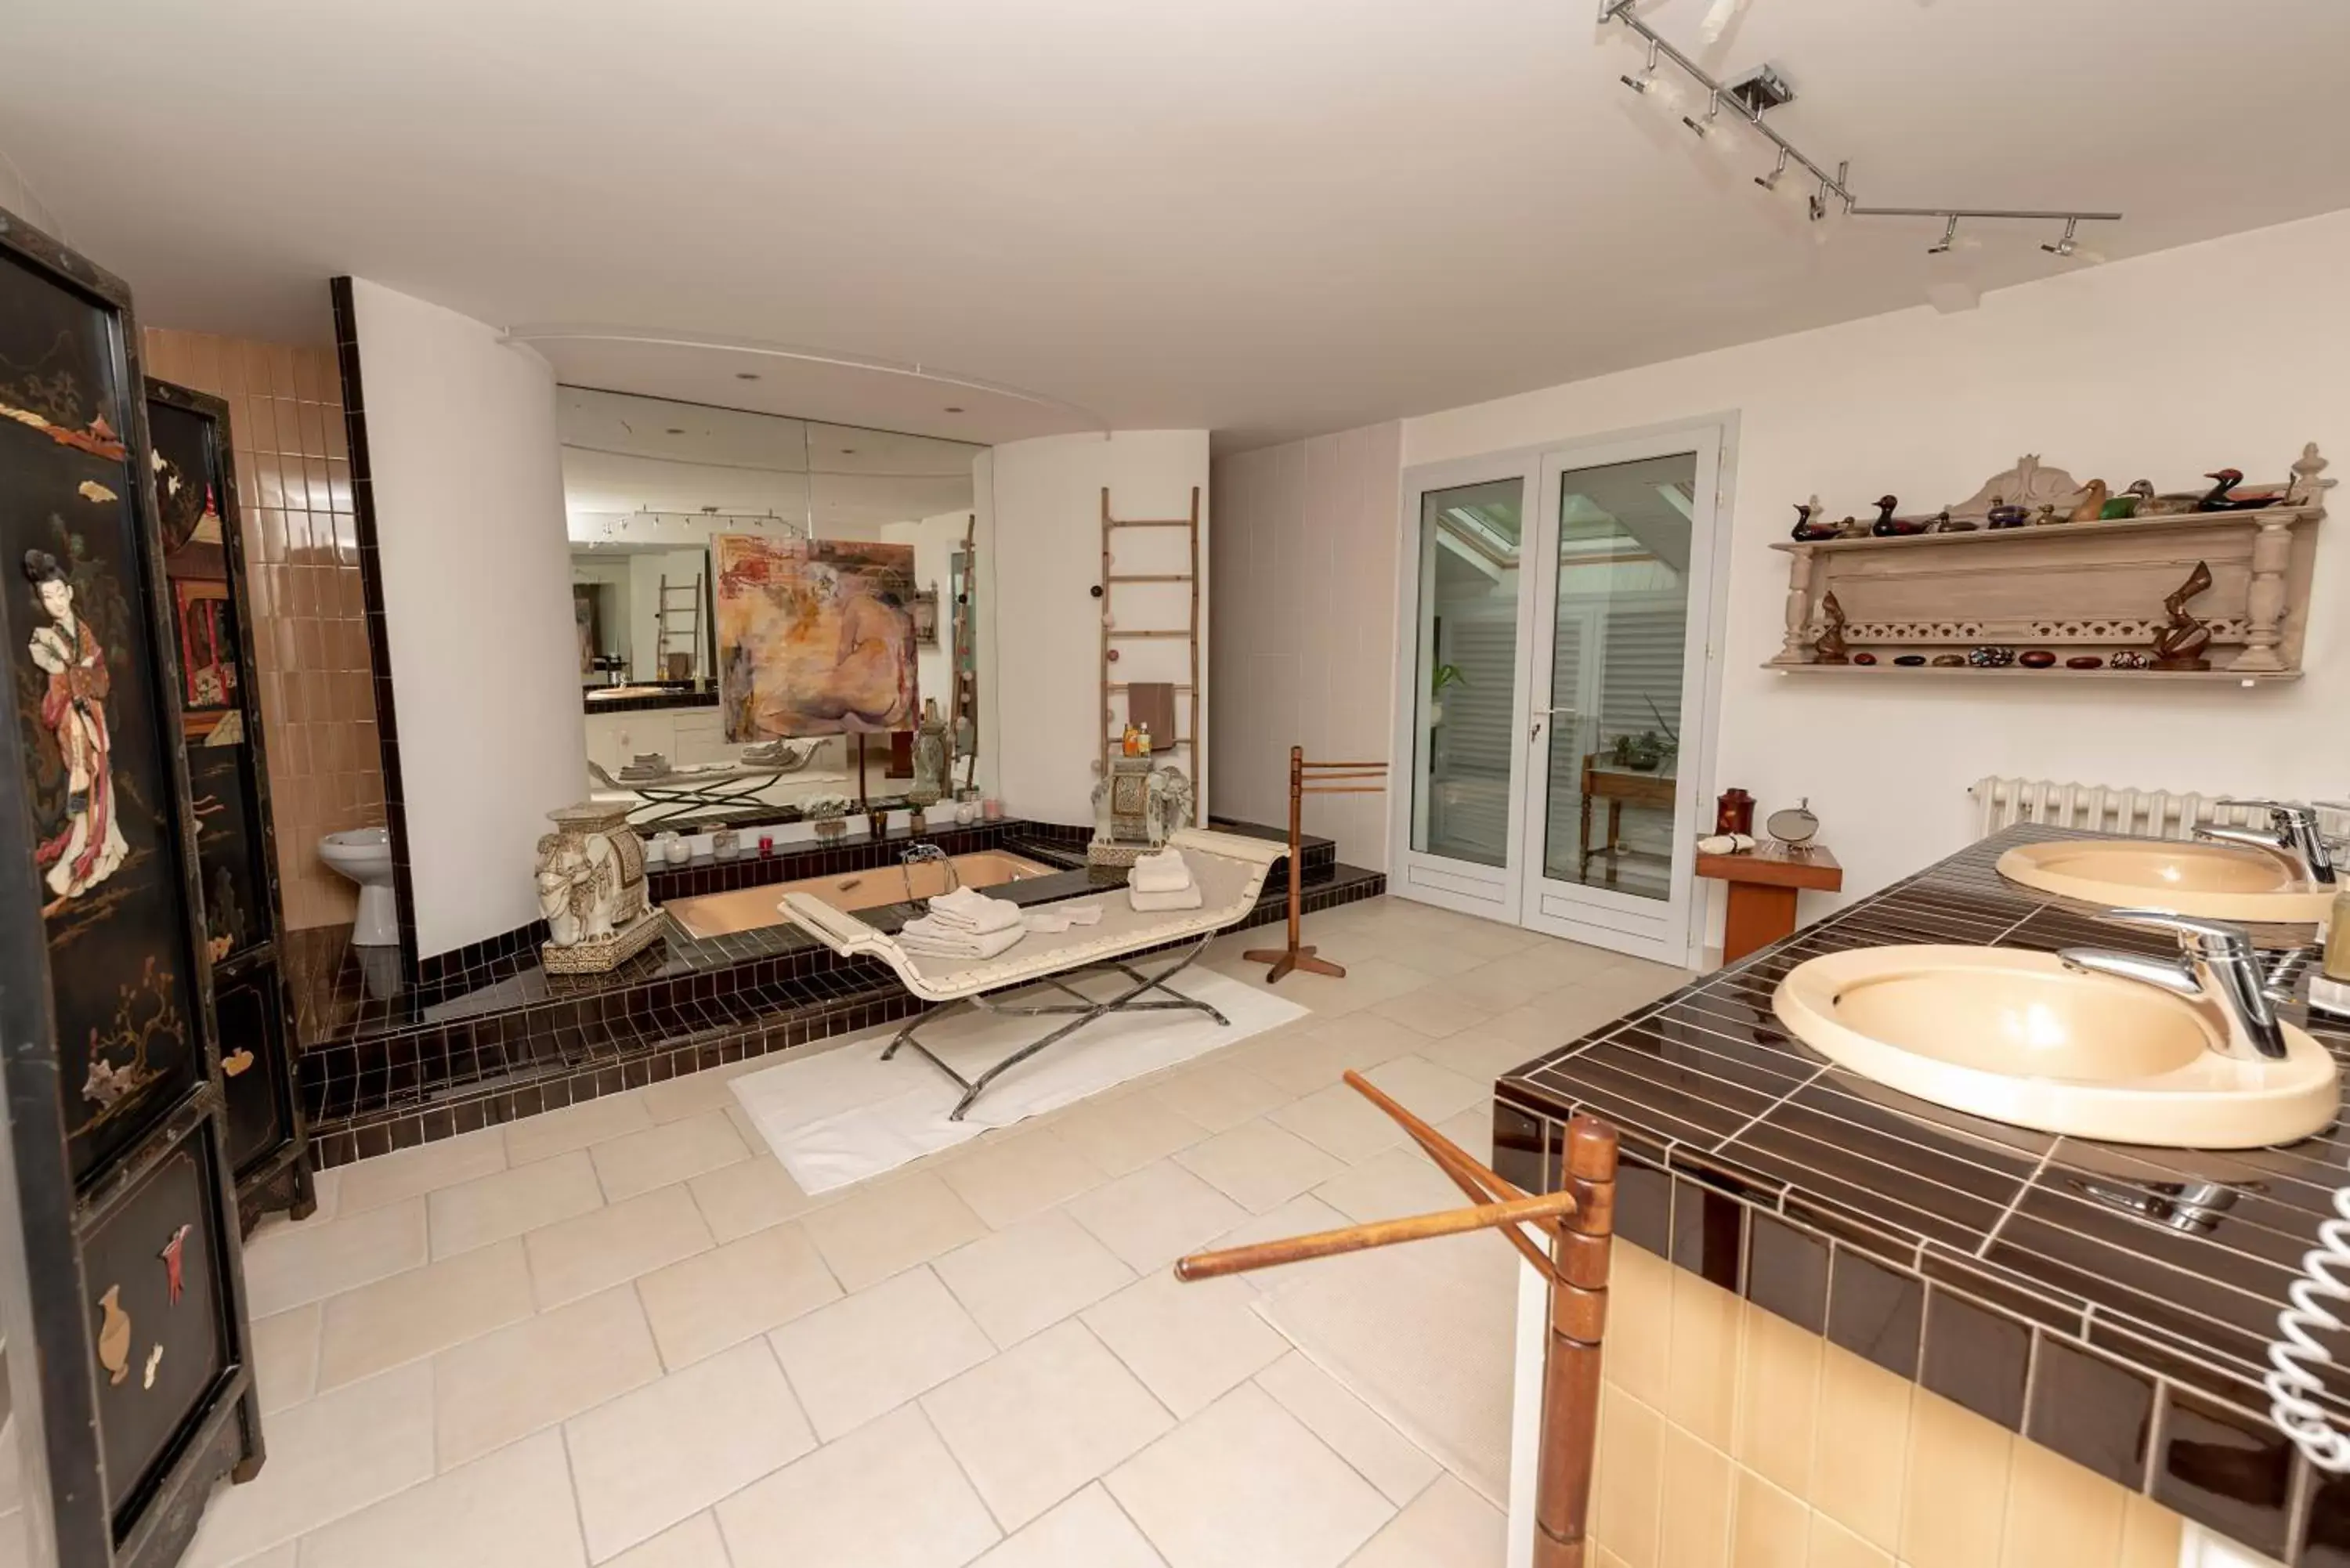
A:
[(747, 909)]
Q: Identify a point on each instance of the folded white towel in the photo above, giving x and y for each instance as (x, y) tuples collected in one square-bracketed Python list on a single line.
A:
[(1053, 919), (1162, 873), (931, 939), (1175, 898), (973, 910)]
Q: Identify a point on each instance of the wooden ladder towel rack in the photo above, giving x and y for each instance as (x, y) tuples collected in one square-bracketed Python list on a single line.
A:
[(1311, 778), (1112, 634), (1578, 1224)]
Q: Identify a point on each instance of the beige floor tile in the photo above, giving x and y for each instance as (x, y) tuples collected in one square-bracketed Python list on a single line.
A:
[(674, 1151), (1396, 1182), (1042, 1419), (539, 1373), (737, 1291), (1369, 980), (1155, 1215), (551, 1133), (1341, 1122), (696, 1543), (285, 1357), (331, 1457), (737, 1199), (887, 1496), (418, 1313), (511, 1508), (652, 1459), (513, 1202), (427, 1167), (310, 1261), (1357, 1434), (1446, 1526), (880, 1230), (1436, 1010), (1029, 1277), (869, 1353), (1242, 1484), (1505, 983), (1089, 1531), (605, 1247), (1187, 1343), (1123, 1135), (1314, 1053), (1217, 1093), (1427, 1091), (1260, 1165), (1007, 1179), (711, 1089), (1477, 1055)]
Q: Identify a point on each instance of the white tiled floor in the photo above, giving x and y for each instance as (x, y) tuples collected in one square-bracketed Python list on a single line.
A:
[(622, 1335)]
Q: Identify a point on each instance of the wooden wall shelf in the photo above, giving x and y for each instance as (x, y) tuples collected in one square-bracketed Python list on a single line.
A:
[(2073, 588)]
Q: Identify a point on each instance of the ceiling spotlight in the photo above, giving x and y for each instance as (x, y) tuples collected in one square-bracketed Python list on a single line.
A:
[(954, 411), (2068, 244), (1950, 237), (1770, 182), (1647, 76), (746, 374), (1816, 203), (674, 431), (1704, 126)]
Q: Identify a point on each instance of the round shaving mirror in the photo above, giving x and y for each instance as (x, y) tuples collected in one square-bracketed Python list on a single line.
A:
[(1794, 826)]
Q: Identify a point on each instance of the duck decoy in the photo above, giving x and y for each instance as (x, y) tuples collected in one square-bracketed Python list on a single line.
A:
[(1889, 526), (2223, 495), (1946, 523), (2047, 515), (2092, 505), (2004, 514), (2130, 501), (1807, 532)]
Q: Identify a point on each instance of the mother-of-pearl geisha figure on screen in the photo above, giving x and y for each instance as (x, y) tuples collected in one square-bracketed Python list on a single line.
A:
[(87, 845)]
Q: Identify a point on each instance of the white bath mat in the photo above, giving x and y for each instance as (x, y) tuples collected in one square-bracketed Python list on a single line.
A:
[(846, 1115), (1425, 1333)]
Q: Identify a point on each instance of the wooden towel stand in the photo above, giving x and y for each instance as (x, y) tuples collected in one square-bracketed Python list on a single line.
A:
[(1579, 1223), (1311, 778)]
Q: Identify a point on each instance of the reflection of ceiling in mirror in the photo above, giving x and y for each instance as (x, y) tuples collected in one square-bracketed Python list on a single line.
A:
[(625, 454)]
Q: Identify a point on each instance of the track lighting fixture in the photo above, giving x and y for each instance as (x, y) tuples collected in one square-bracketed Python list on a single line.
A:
[(1764, 89)]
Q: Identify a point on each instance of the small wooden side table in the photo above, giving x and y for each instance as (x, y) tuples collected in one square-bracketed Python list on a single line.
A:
[(1763, 883)]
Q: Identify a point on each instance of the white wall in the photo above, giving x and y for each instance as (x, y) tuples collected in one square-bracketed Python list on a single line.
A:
[(475, 570), (1304, 578), (935, 540), (1040, 522), (2227, 353)]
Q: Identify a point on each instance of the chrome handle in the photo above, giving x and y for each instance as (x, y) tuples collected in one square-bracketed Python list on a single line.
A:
[(2209, 939)]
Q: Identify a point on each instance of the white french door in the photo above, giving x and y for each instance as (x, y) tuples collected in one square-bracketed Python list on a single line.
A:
[(1559, 687)]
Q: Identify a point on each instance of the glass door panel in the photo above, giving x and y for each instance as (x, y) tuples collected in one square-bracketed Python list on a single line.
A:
[(1465, 725), (1622, 563)]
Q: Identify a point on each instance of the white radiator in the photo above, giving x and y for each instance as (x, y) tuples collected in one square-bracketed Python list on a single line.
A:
[(2103, 808)]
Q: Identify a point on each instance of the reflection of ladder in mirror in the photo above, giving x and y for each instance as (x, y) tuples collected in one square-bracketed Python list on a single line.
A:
[(666, 630), (1113, 635)]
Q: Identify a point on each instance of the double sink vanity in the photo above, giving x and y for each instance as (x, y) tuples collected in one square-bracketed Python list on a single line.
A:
[(2045, 1130)]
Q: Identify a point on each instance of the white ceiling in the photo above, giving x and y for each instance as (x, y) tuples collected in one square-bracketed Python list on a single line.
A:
[(1261, 219)]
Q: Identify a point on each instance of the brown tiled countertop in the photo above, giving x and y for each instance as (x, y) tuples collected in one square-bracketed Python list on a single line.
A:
[(2112, 1301)]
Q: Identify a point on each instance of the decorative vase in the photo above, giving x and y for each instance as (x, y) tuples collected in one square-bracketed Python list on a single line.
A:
[(933, 757)]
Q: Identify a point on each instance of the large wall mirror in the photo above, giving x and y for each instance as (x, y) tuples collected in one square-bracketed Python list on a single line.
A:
[(766, 607)]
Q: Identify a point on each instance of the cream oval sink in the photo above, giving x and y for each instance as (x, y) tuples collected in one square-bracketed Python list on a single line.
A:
[(2016, 1037), (2218, 882)]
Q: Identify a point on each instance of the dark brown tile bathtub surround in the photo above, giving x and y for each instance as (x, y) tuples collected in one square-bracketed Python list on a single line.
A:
[(2112, 1303)]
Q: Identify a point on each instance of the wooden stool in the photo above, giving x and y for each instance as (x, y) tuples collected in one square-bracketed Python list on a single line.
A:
[(1763, 883)]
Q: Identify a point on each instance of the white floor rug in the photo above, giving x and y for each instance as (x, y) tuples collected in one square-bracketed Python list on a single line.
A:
[(1425, 1333), (846, 1115)]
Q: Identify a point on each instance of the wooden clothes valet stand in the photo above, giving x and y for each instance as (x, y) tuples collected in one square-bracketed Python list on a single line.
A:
[(1578, 1222), (1311, 778)]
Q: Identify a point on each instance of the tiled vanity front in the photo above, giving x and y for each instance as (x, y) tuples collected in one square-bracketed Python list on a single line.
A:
[(1909, 1335)]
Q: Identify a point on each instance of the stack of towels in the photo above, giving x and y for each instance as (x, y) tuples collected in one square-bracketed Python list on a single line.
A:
[(964, 924), (1162, 881)]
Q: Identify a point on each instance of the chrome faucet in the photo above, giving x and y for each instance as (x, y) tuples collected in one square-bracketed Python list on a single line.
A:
[(2292, 837), (2217, 971)]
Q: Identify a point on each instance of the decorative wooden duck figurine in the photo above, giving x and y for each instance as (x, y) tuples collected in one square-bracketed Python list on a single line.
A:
[(2092, 505), (2004, 514), (2130, 501), (2223, 496), (1943, 523), (114, 1336), (1807, 532), (2180, 643), (1889, 526)]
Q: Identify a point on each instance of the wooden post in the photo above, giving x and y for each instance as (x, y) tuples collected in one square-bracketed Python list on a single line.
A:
[(1578, 1317)]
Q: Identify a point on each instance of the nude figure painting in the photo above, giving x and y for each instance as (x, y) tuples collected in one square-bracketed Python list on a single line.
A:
[(814, 637)]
